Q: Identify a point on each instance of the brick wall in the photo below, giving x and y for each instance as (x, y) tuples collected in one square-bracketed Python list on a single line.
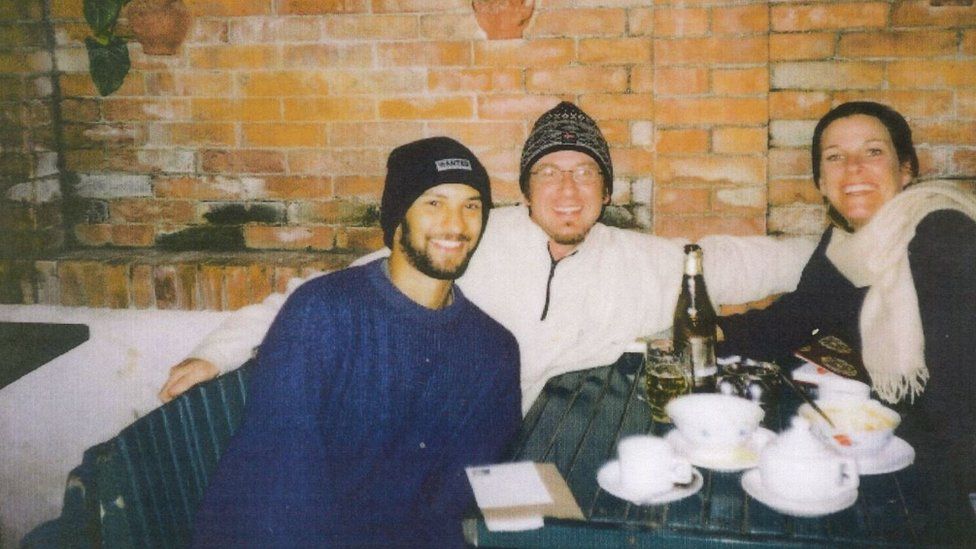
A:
[(269, 129)]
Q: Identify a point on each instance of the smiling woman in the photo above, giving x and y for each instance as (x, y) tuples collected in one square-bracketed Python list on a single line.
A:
[(894, 278)]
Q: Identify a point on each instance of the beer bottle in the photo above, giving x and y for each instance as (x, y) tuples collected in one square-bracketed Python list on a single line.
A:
[(694, 323)]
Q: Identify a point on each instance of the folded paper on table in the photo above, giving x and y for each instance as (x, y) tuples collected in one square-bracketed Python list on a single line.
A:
[(515, 496)]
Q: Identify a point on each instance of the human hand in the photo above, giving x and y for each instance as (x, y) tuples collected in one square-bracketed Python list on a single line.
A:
[(186, 374)]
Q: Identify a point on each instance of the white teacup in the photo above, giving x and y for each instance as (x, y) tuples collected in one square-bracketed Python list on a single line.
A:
[(798, 467), (648, 465), (715, 423)]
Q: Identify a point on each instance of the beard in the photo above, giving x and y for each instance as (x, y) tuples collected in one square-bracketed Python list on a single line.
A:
[(422, 261)]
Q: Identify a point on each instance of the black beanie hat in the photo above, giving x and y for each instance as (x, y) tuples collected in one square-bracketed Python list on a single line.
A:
[(417, 166), (566, 127)]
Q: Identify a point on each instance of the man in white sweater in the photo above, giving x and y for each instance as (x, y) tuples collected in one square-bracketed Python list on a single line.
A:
[(574, 292)]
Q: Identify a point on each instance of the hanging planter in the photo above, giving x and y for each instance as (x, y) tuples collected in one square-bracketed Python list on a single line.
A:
[(159, 25), (503, 19)]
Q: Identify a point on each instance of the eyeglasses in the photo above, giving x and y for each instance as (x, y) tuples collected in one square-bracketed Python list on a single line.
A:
[(585, 174)]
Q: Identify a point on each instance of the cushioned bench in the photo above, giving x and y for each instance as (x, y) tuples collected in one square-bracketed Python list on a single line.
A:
[(142, 488)]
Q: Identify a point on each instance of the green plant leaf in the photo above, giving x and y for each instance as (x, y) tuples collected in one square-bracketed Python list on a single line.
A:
[(107, 64), (102, 14)]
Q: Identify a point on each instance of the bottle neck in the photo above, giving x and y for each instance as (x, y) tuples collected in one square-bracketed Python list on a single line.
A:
[(693, 264)]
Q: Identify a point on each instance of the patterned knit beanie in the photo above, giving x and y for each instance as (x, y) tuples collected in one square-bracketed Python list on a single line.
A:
[(417, 166), (566, 127)]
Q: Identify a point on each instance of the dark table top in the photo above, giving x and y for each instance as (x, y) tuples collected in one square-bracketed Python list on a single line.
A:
[(576, 424), (25, 346)]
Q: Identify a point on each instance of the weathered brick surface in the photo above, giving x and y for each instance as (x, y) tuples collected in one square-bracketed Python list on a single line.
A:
[(271, 125)]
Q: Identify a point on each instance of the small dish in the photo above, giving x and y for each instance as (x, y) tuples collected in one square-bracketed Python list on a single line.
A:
[(608, 477), (895, 456), (740, 459), (752, 484)]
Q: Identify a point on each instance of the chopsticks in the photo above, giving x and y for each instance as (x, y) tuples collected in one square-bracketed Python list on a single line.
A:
[(805, 397)]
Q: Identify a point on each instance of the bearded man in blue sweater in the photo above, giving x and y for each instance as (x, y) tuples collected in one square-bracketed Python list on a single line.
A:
[(376, 385)]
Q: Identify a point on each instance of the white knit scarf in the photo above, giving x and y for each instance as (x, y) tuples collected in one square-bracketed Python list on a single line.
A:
[(893, 345)]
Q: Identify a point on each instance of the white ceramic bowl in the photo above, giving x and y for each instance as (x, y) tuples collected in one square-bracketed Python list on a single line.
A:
[(713, 421), (862, 427)]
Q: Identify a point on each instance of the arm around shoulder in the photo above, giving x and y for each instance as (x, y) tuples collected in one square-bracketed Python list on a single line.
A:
[(740, 269)]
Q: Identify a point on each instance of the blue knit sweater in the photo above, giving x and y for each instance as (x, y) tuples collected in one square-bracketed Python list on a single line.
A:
[(362, 412)]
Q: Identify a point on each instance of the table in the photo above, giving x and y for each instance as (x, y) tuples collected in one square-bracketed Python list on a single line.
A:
[(576, 423), (25, 346)]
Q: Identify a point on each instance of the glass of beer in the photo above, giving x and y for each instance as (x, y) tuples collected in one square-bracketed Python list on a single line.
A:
[(665, 377)]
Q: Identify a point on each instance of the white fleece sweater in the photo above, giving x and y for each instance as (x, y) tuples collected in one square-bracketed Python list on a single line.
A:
[(617, 286)]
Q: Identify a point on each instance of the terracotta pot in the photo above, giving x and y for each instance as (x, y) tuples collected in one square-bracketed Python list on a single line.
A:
[(159, 25), (503, 19)]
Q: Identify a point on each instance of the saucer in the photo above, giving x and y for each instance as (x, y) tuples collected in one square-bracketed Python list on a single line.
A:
[(895, 455), (752, 484), (740, 459), (608, 477)]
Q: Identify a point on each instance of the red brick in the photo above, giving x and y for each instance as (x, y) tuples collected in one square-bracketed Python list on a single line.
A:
[(897, 44), (246, 110), (382, 6), (283, 83), (165, 287), (791, 191), (242, 161), (232, 56), (680, 22), (741, 19), (259, 282), (290, 238), (740, 140), (236, 294), (223, 8), (524, 53), (752, 80), (618, 106), (614, 51), (482, 134), (642, 79), (681, 81), (282, 274), (423, 54), (966, 103), (351, 162), (148, 210), (786, 104), (327, 109), (578, 22), (423, 108), (393, 81), (921, 13), (474, 80), (359, 186), (449, 26), (933, 74), (834, 15), (737, 170), (283, 135), (249, 30), (964, 161), (634, 161), (682, 141), (682, 200), (210, 285), (576, 79), (133, 235), (695, 227), (371, 134), (711, 111), (327, 56), (93, 234), (202, 84), (640, 21), (294, 188), (969, 42), (373, 27), (363, 238), (911, 103), (711, 50), (199, 188), (143, 294), (201, 134), (789, 162), (321, 7)]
